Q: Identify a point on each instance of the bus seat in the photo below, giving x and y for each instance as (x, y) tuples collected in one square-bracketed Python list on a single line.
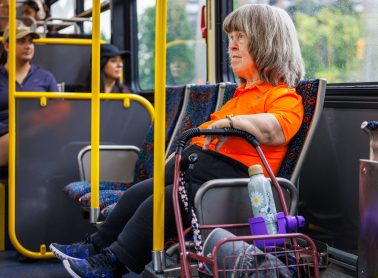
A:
[(198, 104), (226, 91), (313, 93), (107, 210), (143, 166), (201, 102), (107, 197), (116, 163), (226, 201)]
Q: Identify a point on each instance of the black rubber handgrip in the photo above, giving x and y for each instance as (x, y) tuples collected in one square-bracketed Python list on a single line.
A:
[(194, 132)]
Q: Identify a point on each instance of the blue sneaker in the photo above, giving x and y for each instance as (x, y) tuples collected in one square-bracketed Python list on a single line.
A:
[(80, 250), (104, 264)]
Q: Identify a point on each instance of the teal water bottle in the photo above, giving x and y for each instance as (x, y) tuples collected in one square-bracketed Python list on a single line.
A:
[(261, 196)]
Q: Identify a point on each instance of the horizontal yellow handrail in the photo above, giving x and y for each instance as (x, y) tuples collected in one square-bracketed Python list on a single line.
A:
[(88, 96), (63, 41)]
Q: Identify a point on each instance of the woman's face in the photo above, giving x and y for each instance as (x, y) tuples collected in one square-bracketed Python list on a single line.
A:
[(24, 49), (113, 67), (28, 11), (241, 61)]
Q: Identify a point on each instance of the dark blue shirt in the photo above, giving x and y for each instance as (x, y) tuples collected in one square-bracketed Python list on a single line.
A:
[(37, 80)]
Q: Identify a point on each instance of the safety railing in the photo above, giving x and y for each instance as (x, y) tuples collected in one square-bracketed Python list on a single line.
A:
[(158, 258), (95, 98)]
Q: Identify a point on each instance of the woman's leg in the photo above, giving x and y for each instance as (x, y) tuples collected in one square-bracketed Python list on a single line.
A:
[(122, 212), (134, 244)]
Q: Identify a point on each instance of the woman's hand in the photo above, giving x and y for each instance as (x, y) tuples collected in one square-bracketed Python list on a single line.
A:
[(222, 123)]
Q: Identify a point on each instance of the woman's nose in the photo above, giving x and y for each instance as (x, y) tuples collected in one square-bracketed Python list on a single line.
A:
[(233, 45)]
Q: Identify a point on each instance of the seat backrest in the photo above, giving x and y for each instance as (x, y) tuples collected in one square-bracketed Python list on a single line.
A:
[(175, 96), (226, 201), (197, 107), (313, 93), (116, 163), (228, 92)]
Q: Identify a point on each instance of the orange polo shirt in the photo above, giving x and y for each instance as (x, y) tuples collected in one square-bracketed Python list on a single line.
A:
[(281, 101)]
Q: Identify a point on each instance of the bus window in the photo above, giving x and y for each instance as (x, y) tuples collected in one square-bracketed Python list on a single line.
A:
[(186, 50), (338, 38)]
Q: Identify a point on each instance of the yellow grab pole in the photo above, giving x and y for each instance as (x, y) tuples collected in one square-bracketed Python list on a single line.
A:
[(12, 141), (159, 135), (95, 112)]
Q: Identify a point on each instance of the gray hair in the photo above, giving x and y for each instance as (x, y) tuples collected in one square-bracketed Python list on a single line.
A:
[(273, 42)]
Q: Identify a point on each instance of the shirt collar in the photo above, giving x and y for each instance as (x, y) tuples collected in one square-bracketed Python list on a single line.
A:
[(261, 86)]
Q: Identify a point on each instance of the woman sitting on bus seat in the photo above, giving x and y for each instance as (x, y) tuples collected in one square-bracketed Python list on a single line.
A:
[(29, 77), (264, 52), (111, 64), (36, 9)]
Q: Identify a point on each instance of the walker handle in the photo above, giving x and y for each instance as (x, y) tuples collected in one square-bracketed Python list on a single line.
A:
[(194, 132)]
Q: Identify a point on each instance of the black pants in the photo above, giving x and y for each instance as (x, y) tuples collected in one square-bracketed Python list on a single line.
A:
[(128, 229)]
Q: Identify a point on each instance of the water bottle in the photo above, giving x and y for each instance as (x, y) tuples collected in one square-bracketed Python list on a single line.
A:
[(261, 196)]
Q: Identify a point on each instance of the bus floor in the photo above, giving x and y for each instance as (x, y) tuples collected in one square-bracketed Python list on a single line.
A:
[(13, 265)]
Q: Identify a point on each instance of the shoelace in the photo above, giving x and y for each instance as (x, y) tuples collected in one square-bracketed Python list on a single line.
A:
[(104, 259)]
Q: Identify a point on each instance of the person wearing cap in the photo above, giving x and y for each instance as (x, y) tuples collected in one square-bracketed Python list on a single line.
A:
[(111, 64), (29, 78)]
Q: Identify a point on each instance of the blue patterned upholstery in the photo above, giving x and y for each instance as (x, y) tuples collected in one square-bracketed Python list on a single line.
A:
[(144, 164), (79, 188), (107, 197), (108, 210), (201, 103), (308, 89)]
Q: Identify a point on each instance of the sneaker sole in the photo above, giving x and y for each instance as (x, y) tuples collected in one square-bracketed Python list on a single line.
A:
[(67, 266), (60, 255)]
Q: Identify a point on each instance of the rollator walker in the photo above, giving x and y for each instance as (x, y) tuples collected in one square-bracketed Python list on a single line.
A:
[(285, 254)]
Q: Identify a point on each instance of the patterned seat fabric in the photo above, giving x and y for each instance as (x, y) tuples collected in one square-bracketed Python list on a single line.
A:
[(202, 102), (143, 167), (308, 89), (108, 210), (107, 197), (79, 188)]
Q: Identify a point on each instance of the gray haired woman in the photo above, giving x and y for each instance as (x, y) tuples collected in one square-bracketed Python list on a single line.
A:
[(265, 55)]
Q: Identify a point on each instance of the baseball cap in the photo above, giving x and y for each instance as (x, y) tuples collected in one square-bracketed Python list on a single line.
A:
[(21, 31), (109, 50)]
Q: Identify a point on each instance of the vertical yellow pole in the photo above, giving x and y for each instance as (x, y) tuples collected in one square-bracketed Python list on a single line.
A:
[(12, 141), (95, 112), (12, 122), (159, 134)]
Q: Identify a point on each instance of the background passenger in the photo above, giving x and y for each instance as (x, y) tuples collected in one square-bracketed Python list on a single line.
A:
[(111, 64), (36, 9), (4, 11), (264, 52), (29, 77)]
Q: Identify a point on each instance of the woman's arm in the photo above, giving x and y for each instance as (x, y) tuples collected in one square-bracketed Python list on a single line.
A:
[(4, 150), (265, 127)]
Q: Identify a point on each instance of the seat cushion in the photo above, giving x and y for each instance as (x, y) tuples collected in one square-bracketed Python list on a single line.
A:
[(107, 197), (77, 189), (108, 210)]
